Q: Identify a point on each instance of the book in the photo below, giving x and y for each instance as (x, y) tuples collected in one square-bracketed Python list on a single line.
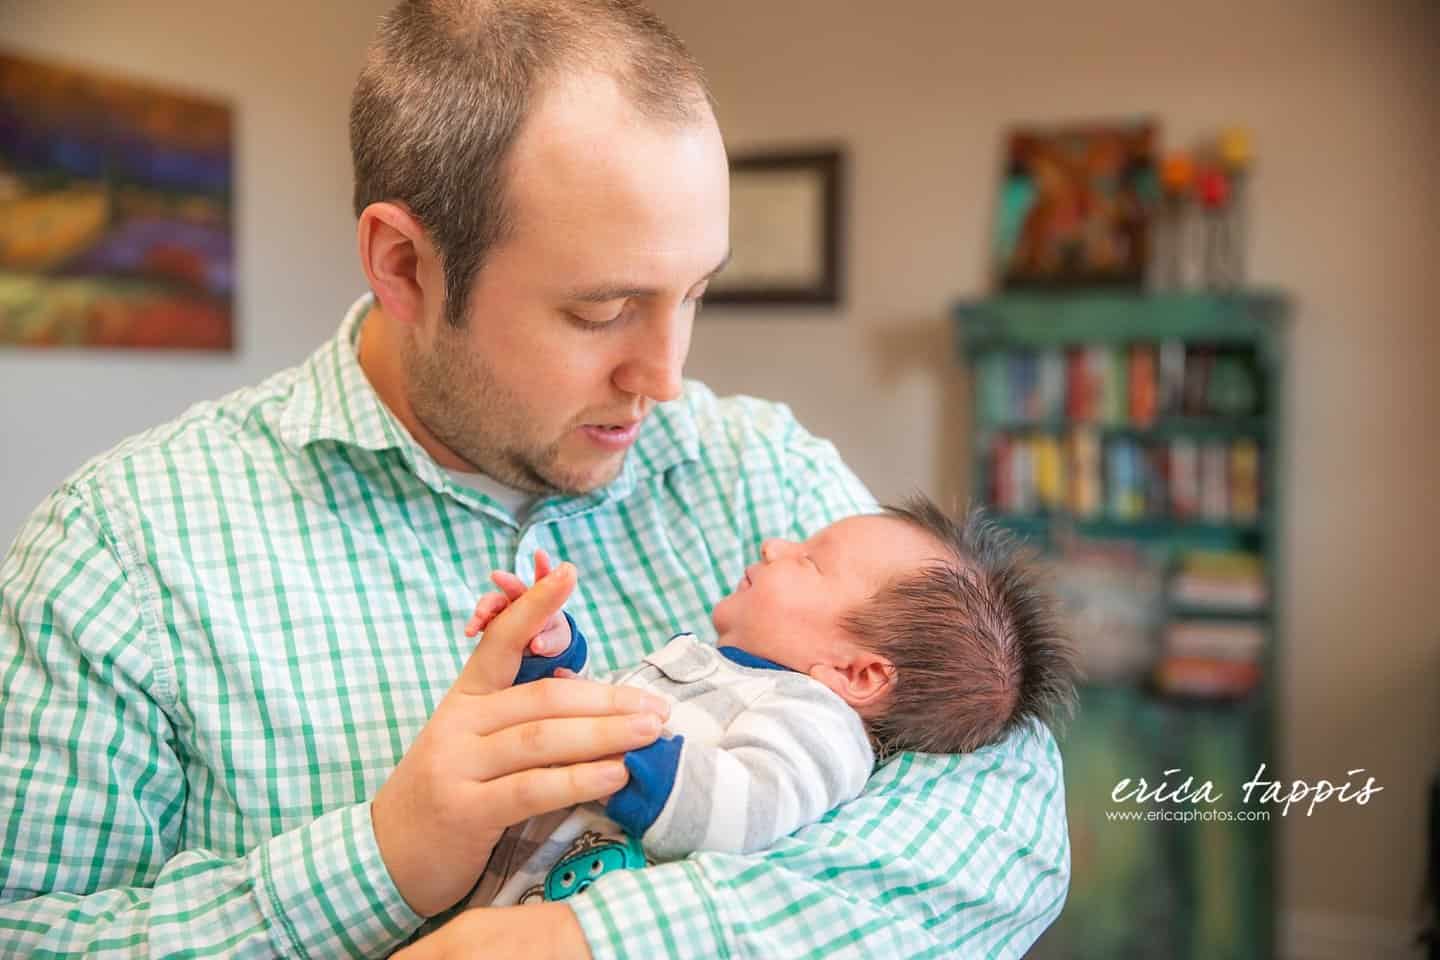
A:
[(1049, 473), (1000, 471), (1052, 383), (1213, 640), (1023, 475), (1204, 678), (1079, 388), (1170, 361), (1084, 488), (1198, 363), (1184, 478), (1215, 482), (1144, 390), (1219, 579), (1245, 481)]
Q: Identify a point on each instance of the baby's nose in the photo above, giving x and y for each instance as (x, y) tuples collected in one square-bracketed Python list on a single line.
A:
[(772, 549)]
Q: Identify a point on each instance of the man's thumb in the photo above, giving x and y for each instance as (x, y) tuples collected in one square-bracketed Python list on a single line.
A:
[(496, 659)]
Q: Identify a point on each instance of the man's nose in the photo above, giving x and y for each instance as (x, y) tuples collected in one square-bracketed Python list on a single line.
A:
[(657, 361)]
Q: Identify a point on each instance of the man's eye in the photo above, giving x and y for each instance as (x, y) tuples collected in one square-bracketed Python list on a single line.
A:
[(586, 323)]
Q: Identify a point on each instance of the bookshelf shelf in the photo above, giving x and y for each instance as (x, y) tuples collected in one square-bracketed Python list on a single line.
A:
[(1089, 318), (1198, 427), (1193, 533), (1186, 611), (1150, 426)]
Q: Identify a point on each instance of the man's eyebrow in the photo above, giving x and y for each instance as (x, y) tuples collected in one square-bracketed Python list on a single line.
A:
[(607, 294)]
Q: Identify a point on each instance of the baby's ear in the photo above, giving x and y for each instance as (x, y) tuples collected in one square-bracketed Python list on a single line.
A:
[(863, 682)]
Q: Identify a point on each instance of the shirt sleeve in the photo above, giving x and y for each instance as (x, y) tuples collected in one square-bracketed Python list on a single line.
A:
[(90, 767), (575, 657), (940, 856), (782, 763)]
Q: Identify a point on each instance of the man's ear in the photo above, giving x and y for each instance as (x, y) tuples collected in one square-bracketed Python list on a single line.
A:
[(864, 682), (399, 261)]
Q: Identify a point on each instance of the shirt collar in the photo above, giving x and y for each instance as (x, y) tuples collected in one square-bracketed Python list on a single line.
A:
[(333, 400), (747, 659)]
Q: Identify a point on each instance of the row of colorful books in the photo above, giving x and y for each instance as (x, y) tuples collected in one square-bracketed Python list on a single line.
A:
[(1134, 385), (1077, 472)]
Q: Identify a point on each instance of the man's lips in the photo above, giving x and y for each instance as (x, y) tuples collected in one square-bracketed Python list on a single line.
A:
[(616, 436)]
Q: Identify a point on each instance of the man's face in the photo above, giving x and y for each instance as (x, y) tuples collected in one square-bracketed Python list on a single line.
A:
[(579, 322)]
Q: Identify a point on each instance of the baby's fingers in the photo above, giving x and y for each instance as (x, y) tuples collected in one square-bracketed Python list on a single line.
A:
[(485, 611), (507, 581), (542, 563)]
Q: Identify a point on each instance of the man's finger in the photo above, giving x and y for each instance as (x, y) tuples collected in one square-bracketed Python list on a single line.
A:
[(553, 697), (496, 659), (566, 740), (520, 796)]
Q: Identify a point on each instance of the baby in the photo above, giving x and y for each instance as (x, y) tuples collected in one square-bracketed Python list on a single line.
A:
[(901, 630)]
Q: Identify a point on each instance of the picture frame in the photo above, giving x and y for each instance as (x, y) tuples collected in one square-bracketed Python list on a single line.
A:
[(786, 218)]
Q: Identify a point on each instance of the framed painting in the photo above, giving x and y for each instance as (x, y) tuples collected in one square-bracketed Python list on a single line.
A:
[(115, 212), (1075, 206), (785, 230)]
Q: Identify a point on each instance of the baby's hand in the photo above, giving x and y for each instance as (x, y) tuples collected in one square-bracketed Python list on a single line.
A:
[(553, 638)]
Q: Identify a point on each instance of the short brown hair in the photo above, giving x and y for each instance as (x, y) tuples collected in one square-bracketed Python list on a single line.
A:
[(975, 640), (447, 85)]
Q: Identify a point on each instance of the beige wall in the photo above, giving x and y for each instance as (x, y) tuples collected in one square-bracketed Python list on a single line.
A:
[(287, 68), (1342, 102)]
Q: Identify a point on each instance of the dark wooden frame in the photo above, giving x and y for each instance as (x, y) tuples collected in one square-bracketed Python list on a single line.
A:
[(828, 165)]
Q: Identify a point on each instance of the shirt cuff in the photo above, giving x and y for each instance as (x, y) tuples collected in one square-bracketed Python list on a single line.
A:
[(622, 917), (325, 890), (535, 667)]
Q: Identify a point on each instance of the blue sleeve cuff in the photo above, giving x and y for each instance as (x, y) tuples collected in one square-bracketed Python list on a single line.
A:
[(534, 667), (652, 776)]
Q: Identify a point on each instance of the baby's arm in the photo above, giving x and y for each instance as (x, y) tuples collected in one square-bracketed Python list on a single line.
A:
[(794, 754)]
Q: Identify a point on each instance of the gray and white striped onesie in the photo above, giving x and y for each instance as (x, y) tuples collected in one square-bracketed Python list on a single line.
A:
[(752, 752)]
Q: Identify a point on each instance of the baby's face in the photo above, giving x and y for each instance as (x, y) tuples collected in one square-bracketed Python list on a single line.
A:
[(788, 606)]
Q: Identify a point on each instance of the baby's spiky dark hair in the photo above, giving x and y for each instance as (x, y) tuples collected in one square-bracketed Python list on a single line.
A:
[(975, 640)]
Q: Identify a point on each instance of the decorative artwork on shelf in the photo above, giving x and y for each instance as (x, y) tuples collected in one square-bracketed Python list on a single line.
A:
[(1075, 206), (785, 229), (115, 212)]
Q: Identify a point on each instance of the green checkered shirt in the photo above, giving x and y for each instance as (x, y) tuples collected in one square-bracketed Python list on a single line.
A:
[(218, 639)]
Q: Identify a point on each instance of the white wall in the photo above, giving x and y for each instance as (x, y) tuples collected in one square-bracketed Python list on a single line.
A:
[(1342, 102), (287, 70)]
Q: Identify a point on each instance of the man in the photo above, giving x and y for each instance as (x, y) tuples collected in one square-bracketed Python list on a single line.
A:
[(239, 714)]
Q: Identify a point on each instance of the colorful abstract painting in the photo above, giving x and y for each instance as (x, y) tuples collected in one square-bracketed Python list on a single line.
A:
[(115, 212), (1075, 206)]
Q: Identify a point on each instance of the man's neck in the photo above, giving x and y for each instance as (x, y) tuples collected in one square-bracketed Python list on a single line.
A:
[(379, 356)]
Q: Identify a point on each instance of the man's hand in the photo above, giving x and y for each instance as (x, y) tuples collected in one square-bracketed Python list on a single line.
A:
[(535, 931), (492, 755), (553, 638)]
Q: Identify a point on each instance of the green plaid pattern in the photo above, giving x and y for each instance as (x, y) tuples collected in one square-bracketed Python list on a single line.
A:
[(217, 640)]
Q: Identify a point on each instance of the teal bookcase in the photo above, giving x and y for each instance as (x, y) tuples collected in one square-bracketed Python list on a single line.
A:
[(1203, 889)]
